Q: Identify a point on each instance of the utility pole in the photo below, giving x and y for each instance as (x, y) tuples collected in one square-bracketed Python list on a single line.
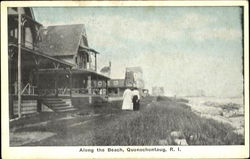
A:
[(19, 69)]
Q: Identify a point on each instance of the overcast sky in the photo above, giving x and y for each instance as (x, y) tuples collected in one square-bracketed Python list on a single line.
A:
[(183, 49)]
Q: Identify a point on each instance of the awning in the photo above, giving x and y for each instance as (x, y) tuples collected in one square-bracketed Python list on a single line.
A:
[(88, 49)]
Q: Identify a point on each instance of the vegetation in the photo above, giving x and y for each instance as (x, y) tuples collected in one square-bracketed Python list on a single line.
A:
[(106, 124), (158, 120)]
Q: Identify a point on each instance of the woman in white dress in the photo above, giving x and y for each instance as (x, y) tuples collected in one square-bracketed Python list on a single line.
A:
[(127, 100)]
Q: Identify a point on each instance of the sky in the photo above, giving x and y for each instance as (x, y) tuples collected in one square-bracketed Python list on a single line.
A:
[(184, 49)]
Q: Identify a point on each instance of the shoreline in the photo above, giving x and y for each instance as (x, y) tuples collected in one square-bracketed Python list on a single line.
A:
[(226, 110)]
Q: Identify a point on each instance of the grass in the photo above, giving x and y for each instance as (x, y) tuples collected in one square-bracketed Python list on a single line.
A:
[(158, 120)]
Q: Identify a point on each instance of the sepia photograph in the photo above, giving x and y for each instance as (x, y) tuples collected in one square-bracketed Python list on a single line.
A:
[(129, 78)]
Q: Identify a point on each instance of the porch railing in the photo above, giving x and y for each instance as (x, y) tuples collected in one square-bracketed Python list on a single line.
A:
[(47, 92), (66, 91)]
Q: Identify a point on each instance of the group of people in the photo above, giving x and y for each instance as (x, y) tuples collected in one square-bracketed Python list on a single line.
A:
[(131, 99)]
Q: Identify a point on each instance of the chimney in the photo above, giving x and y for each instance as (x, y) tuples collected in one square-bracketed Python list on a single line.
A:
[(109, 68)]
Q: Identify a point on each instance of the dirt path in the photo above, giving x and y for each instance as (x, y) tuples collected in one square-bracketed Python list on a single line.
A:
[(71, 129), (63, 131)]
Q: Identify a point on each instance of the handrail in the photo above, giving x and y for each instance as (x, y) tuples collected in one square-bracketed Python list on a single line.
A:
[(30, 88), (64, 90), (28, 84)]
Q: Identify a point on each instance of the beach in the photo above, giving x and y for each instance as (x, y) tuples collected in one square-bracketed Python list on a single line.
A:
[(225, 110)]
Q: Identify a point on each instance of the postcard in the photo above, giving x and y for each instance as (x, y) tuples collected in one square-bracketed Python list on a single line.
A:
[(125, 79)]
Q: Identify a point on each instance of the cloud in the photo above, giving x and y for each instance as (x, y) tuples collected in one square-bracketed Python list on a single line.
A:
[(193, 21), (105, 30), (220, 34), (123, 39)]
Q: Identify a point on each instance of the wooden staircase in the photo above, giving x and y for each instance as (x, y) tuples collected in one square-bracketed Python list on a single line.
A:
[(58, 105)]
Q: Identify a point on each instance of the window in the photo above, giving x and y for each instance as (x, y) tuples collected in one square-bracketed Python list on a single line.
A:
[(99, 83), (115, 83)]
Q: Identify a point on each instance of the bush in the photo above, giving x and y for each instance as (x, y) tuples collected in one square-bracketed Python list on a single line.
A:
[(162, 98)]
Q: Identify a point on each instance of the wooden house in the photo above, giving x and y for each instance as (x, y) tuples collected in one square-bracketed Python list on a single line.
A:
[(116, 87), (157, 91), (32, 59), (134, 77), (69, 43), (56, 65)]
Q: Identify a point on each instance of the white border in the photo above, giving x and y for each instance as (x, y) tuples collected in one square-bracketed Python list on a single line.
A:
[(73, 152)]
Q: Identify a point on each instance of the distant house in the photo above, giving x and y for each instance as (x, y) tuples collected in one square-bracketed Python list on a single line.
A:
[(56, 64), (134, 77), (157, 91), (116, 87)]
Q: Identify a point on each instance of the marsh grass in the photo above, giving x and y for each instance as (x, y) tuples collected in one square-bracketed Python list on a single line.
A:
[(156, 121)]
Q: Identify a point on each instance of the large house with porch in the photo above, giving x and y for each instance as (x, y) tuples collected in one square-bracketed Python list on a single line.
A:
[(58, 68)]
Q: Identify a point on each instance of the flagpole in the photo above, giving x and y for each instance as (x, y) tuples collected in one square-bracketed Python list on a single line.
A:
[(19, 63)]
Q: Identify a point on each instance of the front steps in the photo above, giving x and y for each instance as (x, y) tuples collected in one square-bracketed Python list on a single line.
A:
[(58, 104)]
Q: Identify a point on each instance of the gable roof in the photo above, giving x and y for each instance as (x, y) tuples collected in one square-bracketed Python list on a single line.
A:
[(134, 69), (29, 12), (62, 40)]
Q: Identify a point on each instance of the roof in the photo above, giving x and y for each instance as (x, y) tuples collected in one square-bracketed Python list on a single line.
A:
[(74, 71), (134, 69), (24, 11), (40, 54), (62, 40), (30, 12)]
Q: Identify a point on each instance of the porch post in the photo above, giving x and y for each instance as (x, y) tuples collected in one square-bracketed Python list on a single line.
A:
[(95, 63), (90, 61), (89, 89), (19, 69), (97, 86), (37, 81), (70, 82), (118, 91), (106, 87), (56, 91), (39, 104), (103, 82)]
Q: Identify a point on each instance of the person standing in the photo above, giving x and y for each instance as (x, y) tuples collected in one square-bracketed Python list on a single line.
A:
[(127, 100), (136, 99)]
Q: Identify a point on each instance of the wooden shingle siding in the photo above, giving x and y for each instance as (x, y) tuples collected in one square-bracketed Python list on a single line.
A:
[(28, 107)]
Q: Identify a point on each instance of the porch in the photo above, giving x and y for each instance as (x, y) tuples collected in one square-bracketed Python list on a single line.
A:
[(71, 83)]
